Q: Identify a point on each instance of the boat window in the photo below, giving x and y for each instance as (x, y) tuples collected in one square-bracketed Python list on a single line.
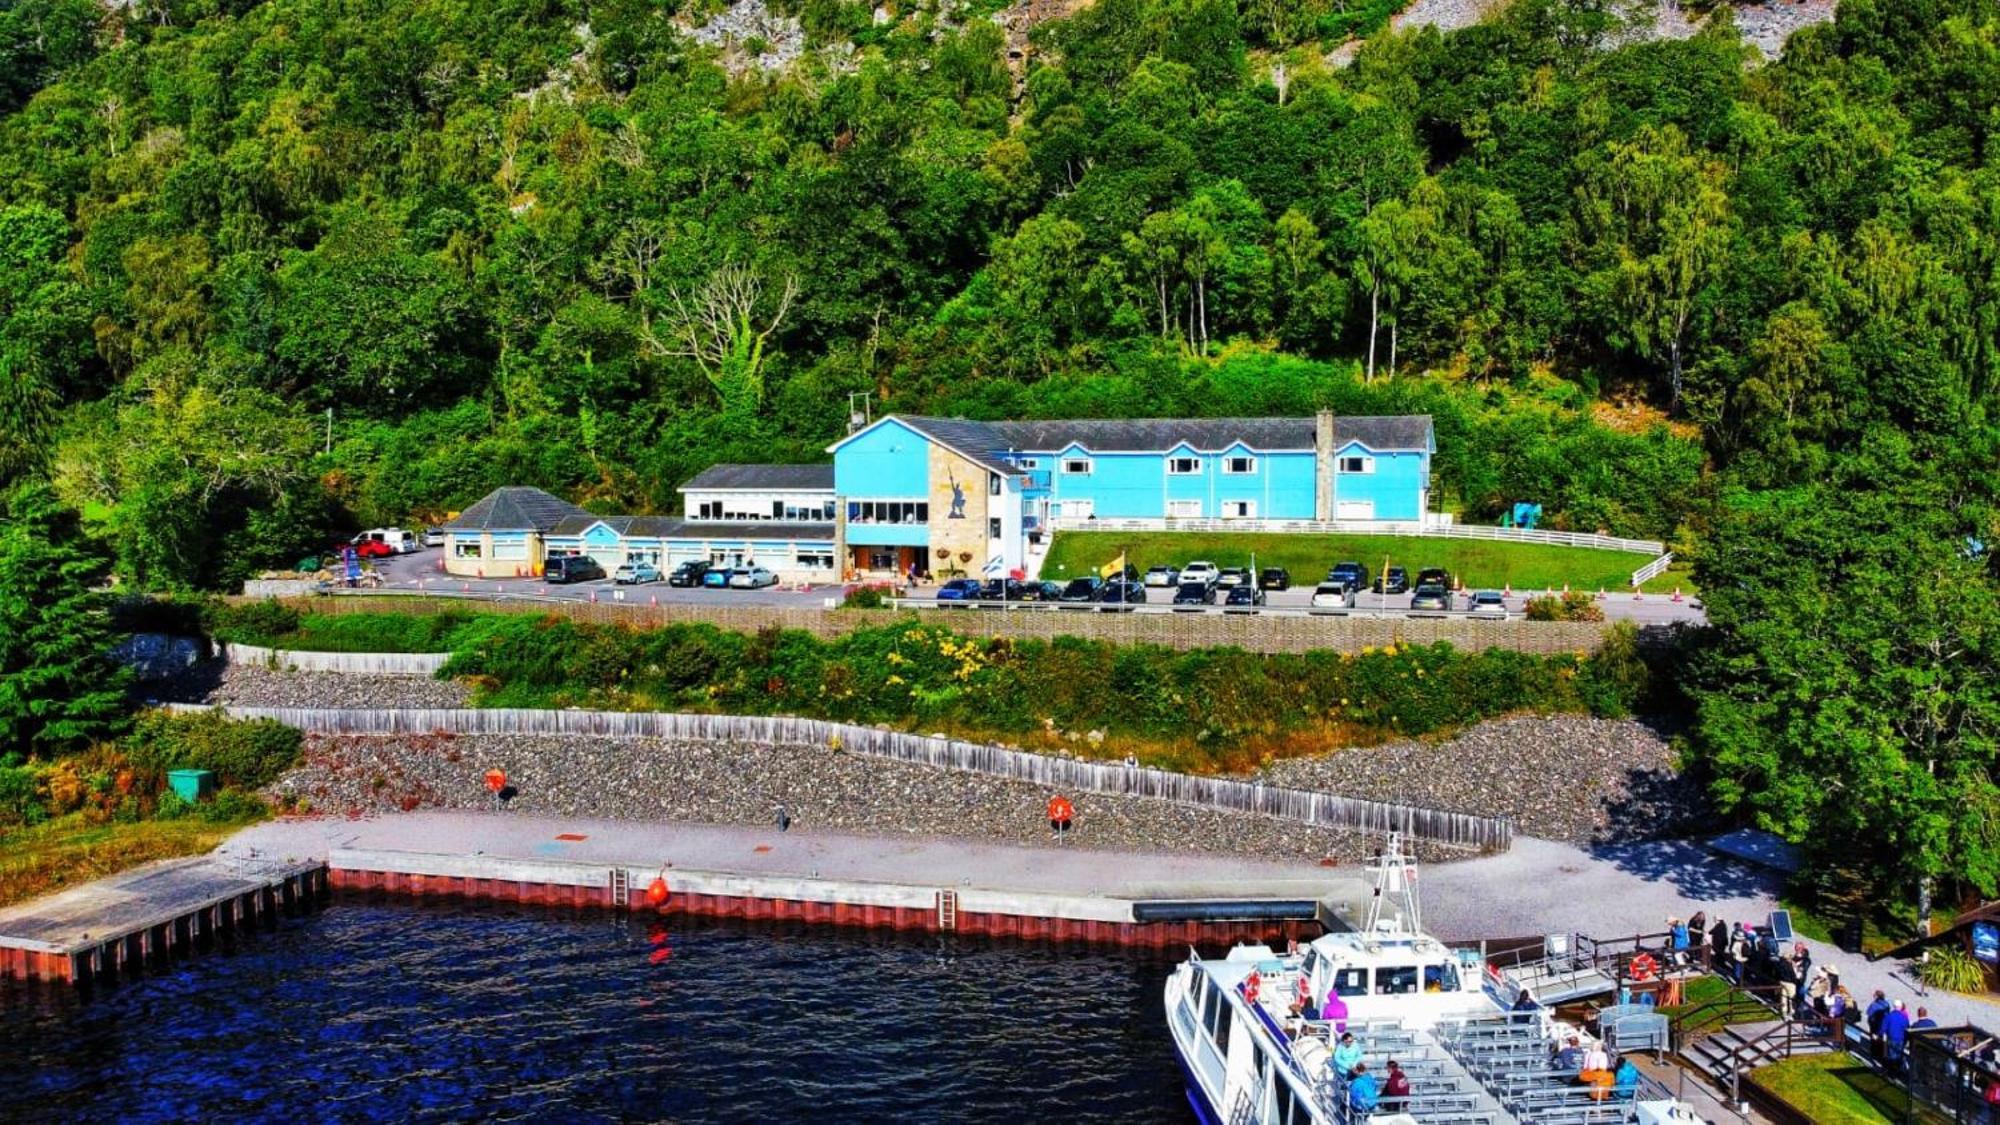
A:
[(1310, 965), (1396, 979), (1215, 1015), (1351, 982), (1441, 978)]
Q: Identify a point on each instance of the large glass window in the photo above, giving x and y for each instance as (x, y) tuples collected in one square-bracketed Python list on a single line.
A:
[(1239, 466), (1183, 466), (1394, 980), (1076, 466), (1351, 982), (466, 548), (510, 549), (1441, 978), (819, 559), (888, 511)]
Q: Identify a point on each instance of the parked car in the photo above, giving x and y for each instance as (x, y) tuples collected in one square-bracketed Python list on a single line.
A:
[(1036, 592), (1233, 576), (717, 577), (1165, 576), (959, 590), (398, 541), (1275, 578), (1434, 576), (1194, 593), (1431, 597), (1394, 580), (1352, 573), (1203, 572), (1242, 599), (688, 573), (564, 569), (368, 548), (1487, 603), (752, 578), (635, 573), (433, 537), (1122, 592), (999, 590), (1081, 590), (1333, 595)]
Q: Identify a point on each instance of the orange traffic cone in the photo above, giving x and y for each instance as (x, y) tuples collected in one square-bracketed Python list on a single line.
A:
[(1677, 594)]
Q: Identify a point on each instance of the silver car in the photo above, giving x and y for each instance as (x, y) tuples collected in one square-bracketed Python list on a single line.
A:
[(752, 578), (1333, 595), (1487, 603), (635, 573)]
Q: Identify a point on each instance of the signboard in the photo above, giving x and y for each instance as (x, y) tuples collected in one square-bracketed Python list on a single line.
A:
[(1986, 941), (352, 560)]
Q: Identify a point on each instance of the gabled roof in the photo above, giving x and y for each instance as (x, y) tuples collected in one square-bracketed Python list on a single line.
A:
[(1157, 435), (515, 508), (784, 478), (1383, 431), (975, 441)]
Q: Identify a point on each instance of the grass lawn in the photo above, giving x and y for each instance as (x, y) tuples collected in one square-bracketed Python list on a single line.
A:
[(1704, 991), (1833, 1089), (68, 851), (1479, 563)]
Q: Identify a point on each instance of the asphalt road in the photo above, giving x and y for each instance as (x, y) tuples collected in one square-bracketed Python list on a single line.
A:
[(420, 572)]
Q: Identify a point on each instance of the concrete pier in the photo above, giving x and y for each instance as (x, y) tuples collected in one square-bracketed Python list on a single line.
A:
[(120, 924), (892, 882)]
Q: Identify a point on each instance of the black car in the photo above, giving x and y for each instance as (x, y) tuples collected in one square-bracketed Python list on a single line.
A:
[(688, 573), (1242, 599), (1081, 590), (1352, 573), (1122, 592), (1431, 597), (571, 568), (1275, 578), (1000, 590), (1394, 580), (1194, 593), (1434, 576), (1034, 592)]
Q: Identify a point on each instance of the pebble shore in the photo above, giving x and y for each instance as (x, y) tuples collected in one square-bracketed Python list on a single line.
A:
[(1561, 777), (716, 783)]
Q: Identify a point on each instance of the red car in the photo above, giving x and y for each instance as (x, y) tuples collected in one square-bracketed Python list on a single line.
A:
[(372, 549)]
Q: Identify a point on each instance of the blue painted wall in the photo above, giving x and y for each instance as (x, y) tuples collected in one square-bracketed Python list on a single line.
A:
[(1290, 479), (1396, 486), (1121, 485), (888, 535), (890, 461)]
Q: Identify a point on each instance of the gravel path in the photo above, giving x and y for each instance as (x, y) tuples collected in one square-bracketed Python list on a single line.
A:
[(247, 685), (651, 779), (1562, 777)]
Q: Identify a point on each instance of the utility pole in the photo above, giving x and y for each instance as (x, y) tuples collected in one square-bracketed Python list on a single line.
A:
[(329, 429)]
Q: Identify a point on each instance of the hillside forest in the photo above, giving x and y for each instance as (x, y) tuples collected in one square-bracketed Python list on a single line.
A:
[(273, 269)]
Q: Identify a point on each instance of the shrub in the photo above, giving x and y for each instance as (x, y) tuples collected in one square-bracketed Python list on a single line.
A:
[(171, 806), (1954, 970), (230, 806), (20, 796), (253, 623), (1574, 605), (867, 597), (1616, 680), (248, 754)]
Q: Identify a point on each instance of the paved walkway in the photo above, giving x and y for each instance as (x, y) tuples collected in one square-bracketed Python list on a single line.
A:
[(925, 861)]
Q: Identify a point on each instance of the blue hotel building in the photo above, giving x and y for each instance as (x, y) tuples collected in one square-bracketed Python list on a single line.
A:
[(948, 494)]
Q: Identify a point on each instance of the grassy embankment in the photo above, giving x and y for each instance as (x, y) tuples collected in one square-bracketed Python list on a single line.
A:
[(71, 850), (1479, 563), (1833, 1089)]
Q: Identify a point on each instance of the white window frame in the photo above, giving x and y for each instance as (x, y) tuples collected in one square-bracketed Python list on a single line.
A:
[(510, 550), (1229, 466), (1361, 465), (1070, 509), (467, 548), (1076, 466), (1183, 509), (1028, 463), (1183, 466), (1248, 509)]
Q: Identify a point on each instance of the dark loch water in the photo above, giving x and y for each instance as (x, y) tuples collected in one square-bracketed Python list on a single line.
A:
[(393, 1012)]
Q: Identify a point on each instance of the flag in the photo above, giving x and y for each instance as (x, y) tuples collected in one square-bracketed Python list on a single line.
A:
[(1115, 566)]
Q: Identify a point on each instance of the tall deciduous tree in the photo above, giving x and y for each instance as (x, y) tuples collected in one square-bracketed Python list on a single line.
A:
[(59, 688)]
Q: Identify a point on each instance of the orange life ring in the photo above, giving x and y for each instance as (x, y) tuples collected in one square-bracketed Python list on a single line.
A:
[(1643, 968), (1252, 987)]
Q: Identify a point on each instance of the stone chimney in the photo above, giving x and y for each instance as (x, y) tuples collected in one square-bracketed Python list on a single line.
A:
[(1323, 466)]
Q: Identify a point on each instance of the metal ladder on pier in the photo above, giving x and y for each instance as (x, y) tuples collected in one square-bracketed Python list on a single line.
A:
[(947, 907), (621, 889)]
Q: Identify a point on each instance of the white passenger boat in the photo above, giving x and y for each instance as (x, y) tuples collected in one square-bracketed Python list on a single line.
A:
[(1253, 1052)]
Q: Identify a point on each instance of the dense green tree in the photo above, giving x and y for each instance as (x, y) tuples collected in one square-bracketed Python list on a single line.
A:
[(59, 688)]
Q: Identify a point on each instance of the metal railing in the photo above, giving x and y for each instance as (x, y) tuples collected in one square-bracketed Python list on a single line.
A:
[(1653, 569), (1426, 528)]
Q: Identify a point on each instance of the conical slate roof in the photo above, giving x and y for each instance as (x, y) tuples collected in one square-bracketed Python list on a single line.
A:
[(515, 509)]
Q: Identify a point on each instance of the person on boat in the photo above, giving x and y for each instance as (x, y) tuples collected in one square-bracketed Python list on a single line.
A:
[(1347, 1057), (1625, 1080), (1596, 1060), (1570, 1057), (1363, 1092), (1524, 1006), (1395, 1088), (1335, 1009)]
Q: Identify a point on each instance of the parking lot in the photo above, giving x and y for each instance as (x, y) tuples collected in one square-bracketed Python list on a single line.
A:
[(419, 573)]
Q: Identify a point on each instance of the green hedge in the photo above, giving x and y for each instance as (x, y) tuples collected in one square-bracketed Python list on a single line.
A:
[(245, 754), (913, 673), (272, 624)]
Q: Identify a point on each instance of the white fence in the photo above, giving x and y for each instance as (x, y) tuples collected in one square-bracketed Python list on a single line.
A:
[(1427, 529), (1321, 809), (352, 663), (1653, 569)]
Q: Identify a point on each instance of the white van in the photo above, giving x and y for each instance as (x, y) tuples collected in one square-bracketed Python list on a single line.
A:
[(400, 541)]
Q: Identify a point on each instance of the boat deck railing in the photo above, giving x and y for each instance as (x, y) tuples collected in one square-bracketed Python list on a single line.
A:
[(1511, 1057)]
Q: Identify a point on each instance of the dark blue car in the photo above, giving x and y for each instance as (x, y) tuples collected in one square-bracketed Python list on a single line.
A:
[(959, 590), (717, 577)]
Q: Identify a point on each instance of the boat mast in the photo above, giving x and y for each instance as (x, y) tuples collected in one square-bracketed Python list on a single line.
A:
[(1395, 889)]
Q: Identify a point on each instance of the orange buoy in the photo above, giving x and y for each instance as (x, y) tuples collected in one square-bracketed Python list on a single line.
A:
[(1060, 810), (1643, 968), (656, 891), (496, 779)]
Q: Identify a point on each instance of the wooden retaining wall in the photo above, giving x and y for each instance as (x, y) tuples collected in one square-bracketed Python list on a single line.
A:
[(1321, 809), (351, 663), (1250, 632)]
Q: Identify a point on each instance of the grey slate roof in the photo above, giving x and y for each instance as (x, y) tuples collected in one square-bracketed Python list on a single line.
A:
[(1383, 431), (787, 478), (1157, 435), (667, 527), (977, 440), (514, 508)]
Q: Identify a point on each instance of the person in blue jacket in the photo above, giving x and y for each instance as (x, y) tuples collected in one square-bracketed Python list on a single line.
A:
[(1363, 1092), (1625, 1080)]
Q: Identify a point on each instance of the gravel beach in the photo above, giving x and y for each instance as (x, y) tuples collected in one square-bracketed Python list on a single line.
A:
[(715, 783), (248, 685), (1561, 777)]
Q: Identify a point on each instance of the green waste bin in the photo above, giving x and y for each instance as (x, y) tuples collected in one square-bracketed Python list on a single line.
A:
[(192, 785)]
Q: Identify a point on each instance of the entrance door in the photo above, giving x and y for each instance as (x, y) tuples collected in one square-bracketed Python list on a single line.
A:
[(1239, 509), (1355, 510)]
